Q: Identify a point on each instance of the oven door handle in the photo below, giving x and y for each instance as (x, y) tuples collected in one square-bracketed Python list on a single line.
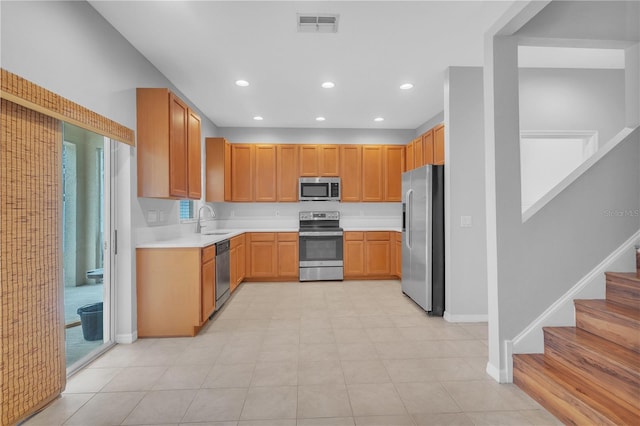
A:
[(320, 233)]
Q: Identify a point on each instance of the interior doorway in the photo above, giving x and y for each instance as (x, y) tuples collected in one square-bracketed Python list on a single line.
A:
[(87, 260)]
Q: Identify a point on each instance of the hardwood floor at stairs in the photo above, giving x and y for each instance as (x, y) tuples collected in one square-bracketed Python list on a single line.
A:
[(590, 374), (601, 362)]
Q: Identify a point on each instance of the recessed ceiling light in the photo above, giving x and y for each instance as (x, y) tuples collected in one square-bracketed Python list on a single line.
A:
[(242, 83), (406, 86), (258, 118), (328, 85), (378, 119), (320, 118)]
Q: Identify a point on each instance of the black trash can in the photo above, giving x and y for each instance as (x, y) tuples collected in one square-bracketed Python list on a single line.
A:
[(91, 320)]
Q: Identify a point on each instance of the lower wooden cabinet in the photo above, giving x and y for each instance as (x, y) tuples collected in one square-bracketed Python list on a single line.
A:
[(237, 261), (367, 254), (396, 255), (175, 290), (272, 256)]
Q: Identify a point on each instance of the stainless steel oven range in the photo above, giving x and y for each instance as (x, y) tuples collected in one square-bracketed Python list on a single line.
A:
[(320, 242)]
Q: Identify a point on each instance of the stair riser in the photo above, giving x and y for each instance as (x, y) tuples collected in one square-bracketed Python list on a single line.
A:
[(555, 398), (621, 381), (623, 331), (623, 291)]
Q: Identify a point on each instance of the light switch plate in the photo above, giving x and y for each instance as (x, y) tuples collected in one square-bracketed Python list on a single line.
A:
[(465, 221)]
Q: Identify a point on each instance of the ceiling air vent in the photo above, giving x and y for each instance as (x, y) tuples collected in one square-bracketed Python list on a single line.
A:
[(316, 23)]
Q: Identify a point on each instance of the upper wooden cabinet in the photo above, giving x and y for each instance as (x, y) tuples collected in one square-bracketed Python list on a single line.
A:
[(218, 170), (438, 145), (427, 142), (393, 166), (168, 146), (287, 172), (372, 177), (319, 160), (350, 172), (242, 172), (264, 183), (426, 149)]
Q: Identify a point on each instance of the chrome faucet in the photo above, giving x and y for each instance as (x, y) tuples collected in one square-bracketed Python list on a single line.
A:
[(198, 225)]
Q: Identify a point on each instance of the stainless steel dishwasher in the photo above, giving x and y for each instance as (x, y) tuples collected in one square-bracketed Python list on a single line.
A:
[(223, 273)]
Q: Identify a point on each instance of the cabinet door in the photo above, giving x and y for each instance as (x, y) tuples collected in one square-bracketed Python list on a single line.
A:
[(438, 145), (353, 254), (242, 266), (178, 113), (309, 161), (393, 159), (398, 254), (262, 255), (233, 268), (288, 254), (217, 170), (427, 142), (194, 163), (287, 179), (418, 153), (264, 186), (329, 160), (241, 172), (350, 172), (408, 157), (207, 295), (372, 179), (377, 258)]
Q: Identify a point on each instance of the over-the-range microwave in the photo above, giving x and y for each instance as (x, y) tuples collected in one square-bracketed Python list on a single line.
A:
[(319, 189)]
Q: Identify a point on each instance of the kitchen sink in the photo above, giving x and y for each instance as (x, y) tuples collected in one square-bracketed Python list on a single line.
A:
[(216, 233)]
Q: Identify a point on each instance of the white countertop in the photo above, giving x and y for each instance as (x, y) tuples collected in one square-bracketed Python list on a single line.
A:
[(216, 235)]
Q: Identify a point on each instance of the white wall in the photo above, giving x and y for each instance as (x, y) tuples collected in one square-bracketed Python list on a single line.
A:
[(466, 261), (68, 48), (572, 99), (311, 135), (532, 264)]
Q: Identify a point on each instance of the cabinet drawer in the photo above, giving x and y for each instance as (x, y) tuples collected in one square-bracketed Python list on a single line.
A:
[(208, 253), (354, 236), (287, 236), (378, 236), (262, 236)]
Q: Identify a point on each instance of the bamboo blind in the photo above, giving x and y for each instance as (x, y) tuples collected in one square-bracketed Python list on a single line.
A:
[(23, 92), (32, 360)]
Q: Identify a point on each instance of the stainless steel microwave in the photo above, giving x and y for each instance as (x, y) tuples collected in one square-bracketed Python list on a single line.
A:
[(319, 189)]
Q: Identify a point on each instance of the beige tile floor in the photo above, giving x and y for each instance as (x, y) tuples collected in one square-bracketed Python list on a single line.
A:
[(301, 354)]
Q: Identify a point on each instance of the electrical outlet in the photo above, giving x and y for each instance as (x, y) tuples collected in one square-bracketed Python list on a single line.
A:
[(161, 216), (152, 216), (465, 221), (277, 212)]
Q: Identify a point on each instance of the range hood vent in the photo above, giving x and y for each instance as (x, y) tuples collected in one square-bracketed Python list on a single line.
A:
[(317, 23)]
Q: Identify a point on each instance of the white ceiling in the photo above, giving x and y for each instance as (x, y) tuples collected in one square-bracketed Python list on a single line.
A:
[(203, 47)]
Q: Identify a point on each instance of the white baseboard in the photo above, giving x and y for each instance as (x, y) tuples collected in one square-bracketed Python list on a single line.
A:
[(562, 312), (465, 318), (496, 374), (127, 338)]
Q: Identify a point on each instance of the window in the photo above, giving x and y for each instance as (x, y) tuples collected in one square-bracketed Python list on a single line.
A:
[(186, 210)]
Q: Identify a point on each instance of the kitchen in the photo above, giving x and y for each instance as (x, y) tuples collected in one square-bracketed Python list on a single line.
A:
[(120, 69)]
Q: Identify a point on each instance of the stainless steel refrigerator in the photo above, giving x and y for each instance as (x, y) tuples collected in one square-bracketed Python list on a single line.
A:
[(423, 237)]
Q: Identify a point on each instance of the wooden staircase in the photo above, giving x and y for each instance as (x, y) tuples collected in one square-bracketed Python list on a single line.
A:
[(590, 374)]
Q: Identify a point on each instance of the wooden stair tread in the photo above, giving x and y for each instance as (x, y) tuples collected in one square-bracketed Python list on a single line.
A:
[(613, 308), (631, 277), (569, 397), (612, 351)]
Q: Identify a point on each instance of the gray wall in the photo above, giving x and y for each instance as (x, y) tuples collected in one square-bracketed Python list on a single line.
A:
[(328, 136), (68, 48), (532, 264), (430, 123), (466, 268), (572, 99)]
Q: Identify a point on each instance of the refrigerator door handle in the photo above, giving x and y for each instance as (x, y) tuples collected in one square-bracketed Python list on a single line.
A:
[(409, 218)]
